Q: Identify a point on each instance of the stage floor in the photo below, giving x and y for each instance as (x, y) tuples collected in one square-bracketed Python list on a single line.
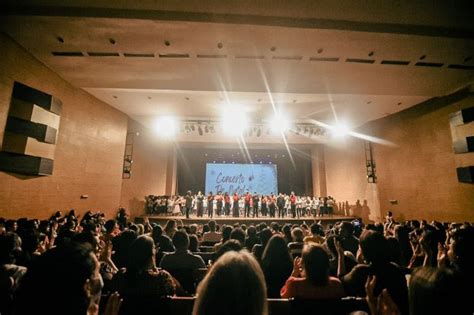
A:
[(162, 219)]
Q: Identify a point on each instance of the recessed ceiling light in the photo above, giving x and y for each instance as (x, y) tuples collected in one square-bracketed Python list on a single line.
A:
[(187, 98), (369, 102), (259, 100), (114, 96), (112, 41), (60, 39), (273, 48), (399, 103), (422, 57), (371, 54), (149, 97), (220, 45), (167, 43), (294, 101), (320, 50)]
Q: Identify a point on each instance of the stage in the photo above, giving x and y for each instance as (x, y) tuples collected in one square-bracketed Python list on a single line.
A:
[(162, 219)]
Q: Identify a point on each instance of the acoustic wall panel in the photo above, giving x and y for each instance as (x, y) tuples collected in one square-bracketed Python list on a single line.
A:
[(31, 132)]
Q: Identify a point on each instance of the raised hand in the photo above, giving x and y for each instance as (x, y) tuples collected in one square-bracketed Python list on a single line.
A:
[(113, 304)]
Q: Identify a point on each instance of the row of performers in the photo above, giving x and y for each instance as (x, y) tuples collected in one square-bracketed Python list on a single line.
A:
[(248, 205)]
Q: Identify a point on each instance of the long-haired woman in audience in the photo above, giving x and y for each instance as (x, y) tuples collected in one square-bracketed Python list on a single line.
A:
[(276, 264), (141, 277), (234, 285), (310, 277)]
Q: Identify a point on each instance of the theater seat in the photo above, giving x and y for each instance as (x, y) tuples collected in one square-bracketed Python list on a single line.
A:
[(145, 305), (279, 306)]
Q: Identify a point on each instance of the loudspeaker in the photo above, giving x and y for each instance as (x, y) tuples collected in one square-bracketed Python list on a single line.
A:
[(465, 174)]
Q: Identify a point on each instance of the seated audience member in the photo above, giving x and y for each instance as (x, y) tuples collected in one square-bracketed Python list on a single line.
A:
[(230, 245), (276, 264), (141, 277), (64, 280), (252, 238), (258, 249), (287, 233), (317, 234), (239, 235), (406, 251), (349, 259), (296, 246), (170, 228), (461, 252), (390, 276), (112, 229), (310, 277), (225, 237), (10, 273), (193, 243), (122, 245), (162, 241), (212, 236), (349, 241), (235, 285), (439, 291), (182, 258)]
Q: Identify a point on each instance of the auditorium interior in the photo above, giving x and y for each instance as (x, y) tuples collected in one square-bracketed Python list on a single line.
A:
[(105, 102)]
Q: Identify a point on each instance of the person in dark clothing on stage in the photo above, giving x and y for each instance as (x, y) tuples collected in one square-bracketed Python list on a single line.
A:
[(188, 203), (264, 206), (235, 207), (199, 204), (210, 205), (219, 203), (247, 199), (280, 205), (255, 200)]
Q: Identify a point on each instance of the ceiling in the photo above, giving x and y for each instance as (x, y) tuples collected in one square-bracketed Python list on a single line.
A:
[(195, 61)]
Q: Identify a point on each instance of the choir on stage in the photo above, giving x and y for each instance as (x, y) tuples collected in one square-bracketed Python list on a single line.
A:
[(246, 205)]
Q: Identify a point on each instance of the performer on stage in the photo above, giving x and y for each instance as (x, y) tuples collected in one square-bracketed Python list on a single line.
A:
[(280, 205), (188, 203), (199, 204), (226, 204), (235, 206), (219, 203), (255, 200), (210, 205), (271, 205), (264, 207), (293, 204), (247, 200)]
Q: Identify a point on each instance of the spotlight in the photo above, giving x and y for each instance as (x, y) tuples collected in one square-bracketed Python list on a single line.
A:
[(340, 129), (298, 130), (200, 130), (278, 124), (234, 122), (259, 132), (193, 128), (211, 129), (206, 129), (165, 126)]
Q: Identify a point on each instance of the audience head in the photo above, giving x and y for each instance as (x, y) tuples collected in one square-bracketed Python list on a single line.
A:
[(230, 245), (239, 235), (374, 247), (317, 229), (265, 236), (226, 233), (212, 225), (276, 252), (438, 291), (181, 240), (297, 235), (315, 263), (193, 243), (10, 248), (64, 280), (216, 296), (347, 229), (142, 254), (461, 249), (252, 232)]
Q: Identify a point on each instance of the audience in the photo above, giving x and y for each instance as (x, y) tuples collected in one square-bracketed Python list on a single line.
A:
[(310, 277), (64, 265), (235, 285)]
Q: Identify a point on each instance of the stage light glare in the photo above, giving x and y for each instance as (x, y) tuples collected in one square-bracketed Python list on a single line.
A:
[(234, 123), (340, 129), (165, 126), (278, 124)]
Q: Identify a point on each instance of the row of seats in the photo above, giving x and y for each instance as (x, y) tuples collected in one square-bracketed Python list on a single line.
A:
[(184, 306)]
